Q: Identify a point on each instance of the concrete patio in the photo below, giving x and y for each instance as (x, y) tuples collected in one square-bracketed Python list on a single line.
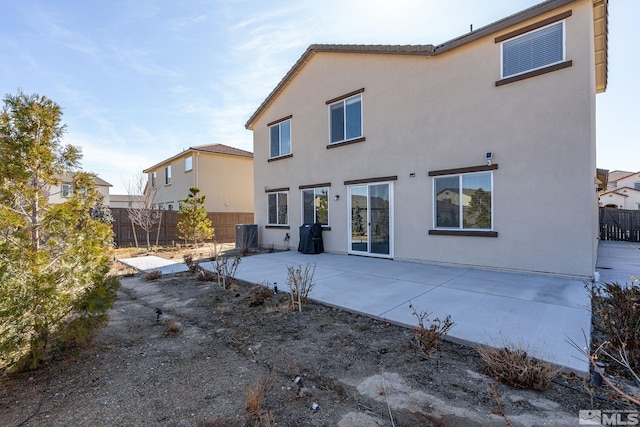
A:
[(540, 313)]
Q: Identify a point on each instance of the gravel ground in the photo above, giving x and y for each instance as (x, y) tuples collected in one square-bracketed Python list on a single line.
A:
[(196, 364)]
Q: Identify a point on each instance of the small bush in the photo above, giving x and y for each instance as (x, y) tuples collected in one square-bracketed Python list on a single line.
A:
[(205, 275), (153, 275), (172, 327), (514, 367), (193, 266), (616, 312), (300, 283), (428, 337)]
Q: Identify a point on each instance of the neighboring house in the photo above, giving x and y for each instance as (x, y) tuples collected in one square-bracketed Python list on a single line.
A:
[(365, 140), (224, 174), (60, 193), (622, 192), (124, 200)]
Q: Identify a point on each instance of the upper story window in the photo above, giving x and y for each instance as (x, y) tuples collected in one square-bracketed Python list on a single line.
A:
[(188, 163), (277, 207), (167, 175), (315, 206), (464, 201), (345, 117), (67, 190), (533, 50), (280, 138), (154, 179), (636, 185)]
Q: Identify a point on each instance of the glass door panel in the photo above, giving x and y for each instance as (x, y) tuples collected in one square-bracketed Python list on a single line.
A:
[(379, 202), (370, 221), (359, 219)]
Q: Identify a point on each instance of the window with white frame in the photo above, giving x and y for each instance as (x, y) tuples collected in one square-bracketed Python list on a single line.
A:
[(636, 185), (277, 208), (167, 175), (154, 179), (533, 50), (188, 163), (464, 201), (67, 190), (345, 117), (280, 139), (315, 206)]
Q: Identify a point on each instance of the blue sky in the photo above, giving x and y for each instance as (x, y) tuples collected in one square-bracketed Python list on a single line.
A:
[(141, 80)]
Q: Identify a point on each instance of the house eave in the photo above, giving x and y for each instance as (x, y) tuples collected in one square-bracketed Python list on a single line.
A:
[(600, 34)]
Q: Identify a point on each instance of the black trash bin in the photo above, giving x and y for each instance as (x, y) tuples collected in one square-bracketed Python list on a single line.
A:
[(311, 239)]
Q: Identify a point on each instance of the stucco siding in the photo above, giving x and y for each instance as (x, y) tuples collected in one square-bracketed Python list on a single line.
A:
[(431, 113)]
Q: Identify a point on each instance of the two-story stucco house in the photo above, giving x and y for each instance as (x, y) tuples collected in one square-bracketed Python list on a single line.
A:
[(623, 191), (64, 190), (448, 153), (223, 173)]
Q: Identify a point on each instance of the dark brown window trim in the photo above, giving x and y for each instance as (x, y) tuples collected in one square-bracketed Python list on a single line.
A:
[(276, 190), (482, 168), (345, 96), (275, 122), (533, 26), (468, 233), (367, 180), (535, 73), (273, 159), (324, 184), (340, 144), (283, 227)]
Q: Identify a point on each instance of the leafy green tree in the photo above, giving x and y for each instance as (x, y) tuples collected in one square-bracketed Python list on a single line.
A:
[(479, 212), (193, 224), (54, 259)]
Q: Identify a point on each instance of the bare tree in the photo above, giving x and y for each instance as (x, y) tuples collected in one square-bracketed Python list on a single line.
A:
[(143, 212)]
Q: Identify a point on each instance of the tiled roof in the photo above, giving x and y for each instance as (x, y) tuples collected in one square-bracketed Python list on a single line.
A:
[(425, 50), (618, 175), (209, 148), (222, 149)]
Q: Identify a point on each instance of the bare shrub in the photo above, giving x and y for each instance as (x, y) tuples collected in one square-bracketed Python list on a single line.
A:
[(205, 275), (192, 265), (512, 365), (616, 312), (300, 283), (226, 267), (153, 275), (428, 333)]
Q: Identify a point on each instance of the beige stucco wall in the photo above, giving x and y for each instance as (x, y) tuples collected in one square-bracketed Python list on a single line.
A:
[(55, 194), (227, 181), (442, 112)]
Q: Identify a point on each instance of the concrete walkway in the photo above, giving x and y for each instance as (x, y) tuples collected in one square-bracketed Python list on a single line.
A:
[(540, 313)]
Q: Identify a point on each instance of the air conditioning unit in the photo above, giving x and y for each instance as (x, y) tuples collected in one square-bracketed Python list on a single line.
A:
[(246, 236)]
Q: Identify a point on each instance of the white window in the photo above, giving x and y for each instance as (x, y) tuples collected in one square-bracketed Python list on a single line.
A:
[(167, 175), (464, 202), (315, 206), (280, 139), (188, 163), (170, 207), (533, 50), (67, 190), (345, 117), (154, 179), (277, 204), (636, 185)]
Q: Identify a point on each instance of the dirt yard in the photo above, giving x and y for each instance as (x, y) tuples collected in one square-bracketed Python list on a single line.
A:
[(195, 364)]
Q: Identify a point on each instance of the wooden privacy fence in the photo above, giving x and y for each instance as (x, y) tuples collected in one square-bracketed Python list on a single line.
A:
[(619, 224), (165, 233)]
